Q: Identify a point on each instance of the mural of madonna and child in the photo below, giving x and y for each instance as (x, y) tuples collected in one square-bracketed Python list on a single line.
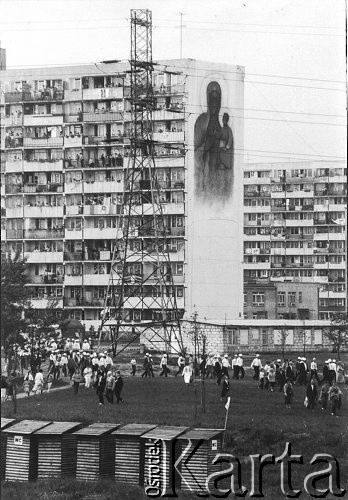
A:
[(213, 151)]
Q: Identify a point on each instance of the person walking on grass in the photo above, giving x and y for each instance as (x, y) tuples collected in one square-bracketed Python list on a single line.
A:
[(225, 366), (110, 387), (324, 395), (256, 365), (262, 379), (118, 387), (181, 364), (187, 374), (133, 364), (335, 398), (38, 382), (28, 379), (76, 379), (314, 371), (288, 393), (225, 391), (312, 395), (87, 373), (146, 365), (272, 379), (100, 384), (49, 381), (164, 366)]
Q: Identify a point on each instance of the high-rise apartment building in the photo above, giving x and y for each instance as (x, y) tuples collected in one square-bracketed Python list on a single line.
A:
[(295, 224), (65, 142)]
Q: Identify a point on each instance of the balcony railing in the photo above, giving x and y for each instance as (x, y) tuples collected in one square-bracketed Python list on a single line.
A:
[(106, 116), (52, 142), (13, 188), (75, 141), (43, 188), (35, 234), (13, 142), (73, 95), (14, 97), (169, 89), (73, 256), (42, 120), (168, 136), (103, 93), (81, 302), (13, 120), (14, 234), (44, 95), (92, 140)]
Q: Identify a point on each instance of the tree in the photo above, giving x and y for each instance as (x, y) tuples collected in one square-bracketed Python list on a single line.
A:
[(337, 333), (14, 298)]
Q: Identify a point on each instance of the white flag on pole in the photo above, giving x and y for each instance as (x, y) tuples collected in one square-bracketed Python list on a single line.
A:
[(227, 405)]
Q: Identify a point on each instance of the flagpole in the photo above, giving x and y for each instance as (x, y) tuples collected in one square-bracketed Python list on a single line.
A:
[(225, 427)]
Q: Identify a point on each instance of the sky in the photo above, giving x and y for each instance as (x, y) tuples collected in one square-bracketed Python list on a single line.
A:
[(293, 52)]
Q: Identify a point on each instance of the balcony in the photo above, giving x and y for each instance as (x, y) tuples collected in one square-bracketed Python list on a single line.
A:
[(103, 93), (81, 302), (170, 89), (101, 117), (73, 234), (16, 212), (51, 142), (92, 233), (95, 279), (45, 303), (73, 118), (13, 188), (13, 142), (73, 142), (103, 187), (165, 114), (12, 121), (102, 209), (31, 188), (73, 95), (169, 136), (14, 234), (173, 208), (91, 140), (46, 95), (42, 120), (73, 188), (46, 279), (14, 97), (73, 256), (43, 166), (74, 210), (43, 257), (165, 162), (71, 280), (45, 212), (43, 234)]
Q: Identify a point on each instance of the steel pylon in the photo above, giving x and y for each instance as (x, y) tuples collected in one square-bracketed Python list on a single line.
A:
[(141, 296)]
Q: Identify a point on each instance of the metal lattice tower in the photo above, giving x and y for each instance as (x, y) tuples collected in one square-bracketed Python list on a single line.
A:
[(141, 298)]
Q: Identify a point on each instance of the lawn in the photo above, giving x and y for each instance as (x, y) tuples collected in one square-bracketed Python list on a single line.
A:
[(258, 423)]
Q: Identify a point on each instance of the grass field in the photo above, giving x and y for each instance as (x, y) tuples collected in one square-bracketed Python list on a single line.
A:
[(258, 423)]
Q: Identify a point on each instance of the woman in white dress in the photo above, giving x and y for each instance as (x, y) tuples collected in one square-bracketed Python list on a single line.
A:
[(187, 374)]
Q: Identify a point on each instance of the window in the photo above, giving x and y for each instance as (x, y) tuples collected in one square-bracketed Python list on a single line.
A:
[(244, 337), (300, 297), (291, 299), (281, 299), (258, 299), (179, 292)]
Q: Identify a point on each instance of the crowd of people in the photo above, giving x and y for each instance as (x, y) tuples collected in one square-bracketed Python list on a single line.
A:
[(79, 362)]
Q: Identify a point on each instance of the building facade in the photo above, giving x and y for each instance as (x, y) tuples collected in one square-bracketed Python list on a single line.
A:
[(255, 336), (295, 232), (281, 300), (65, 142)]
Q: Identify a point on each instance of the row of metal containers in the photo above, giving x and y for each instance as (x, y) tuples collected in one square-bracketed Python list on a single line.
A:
[(160, 458)]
